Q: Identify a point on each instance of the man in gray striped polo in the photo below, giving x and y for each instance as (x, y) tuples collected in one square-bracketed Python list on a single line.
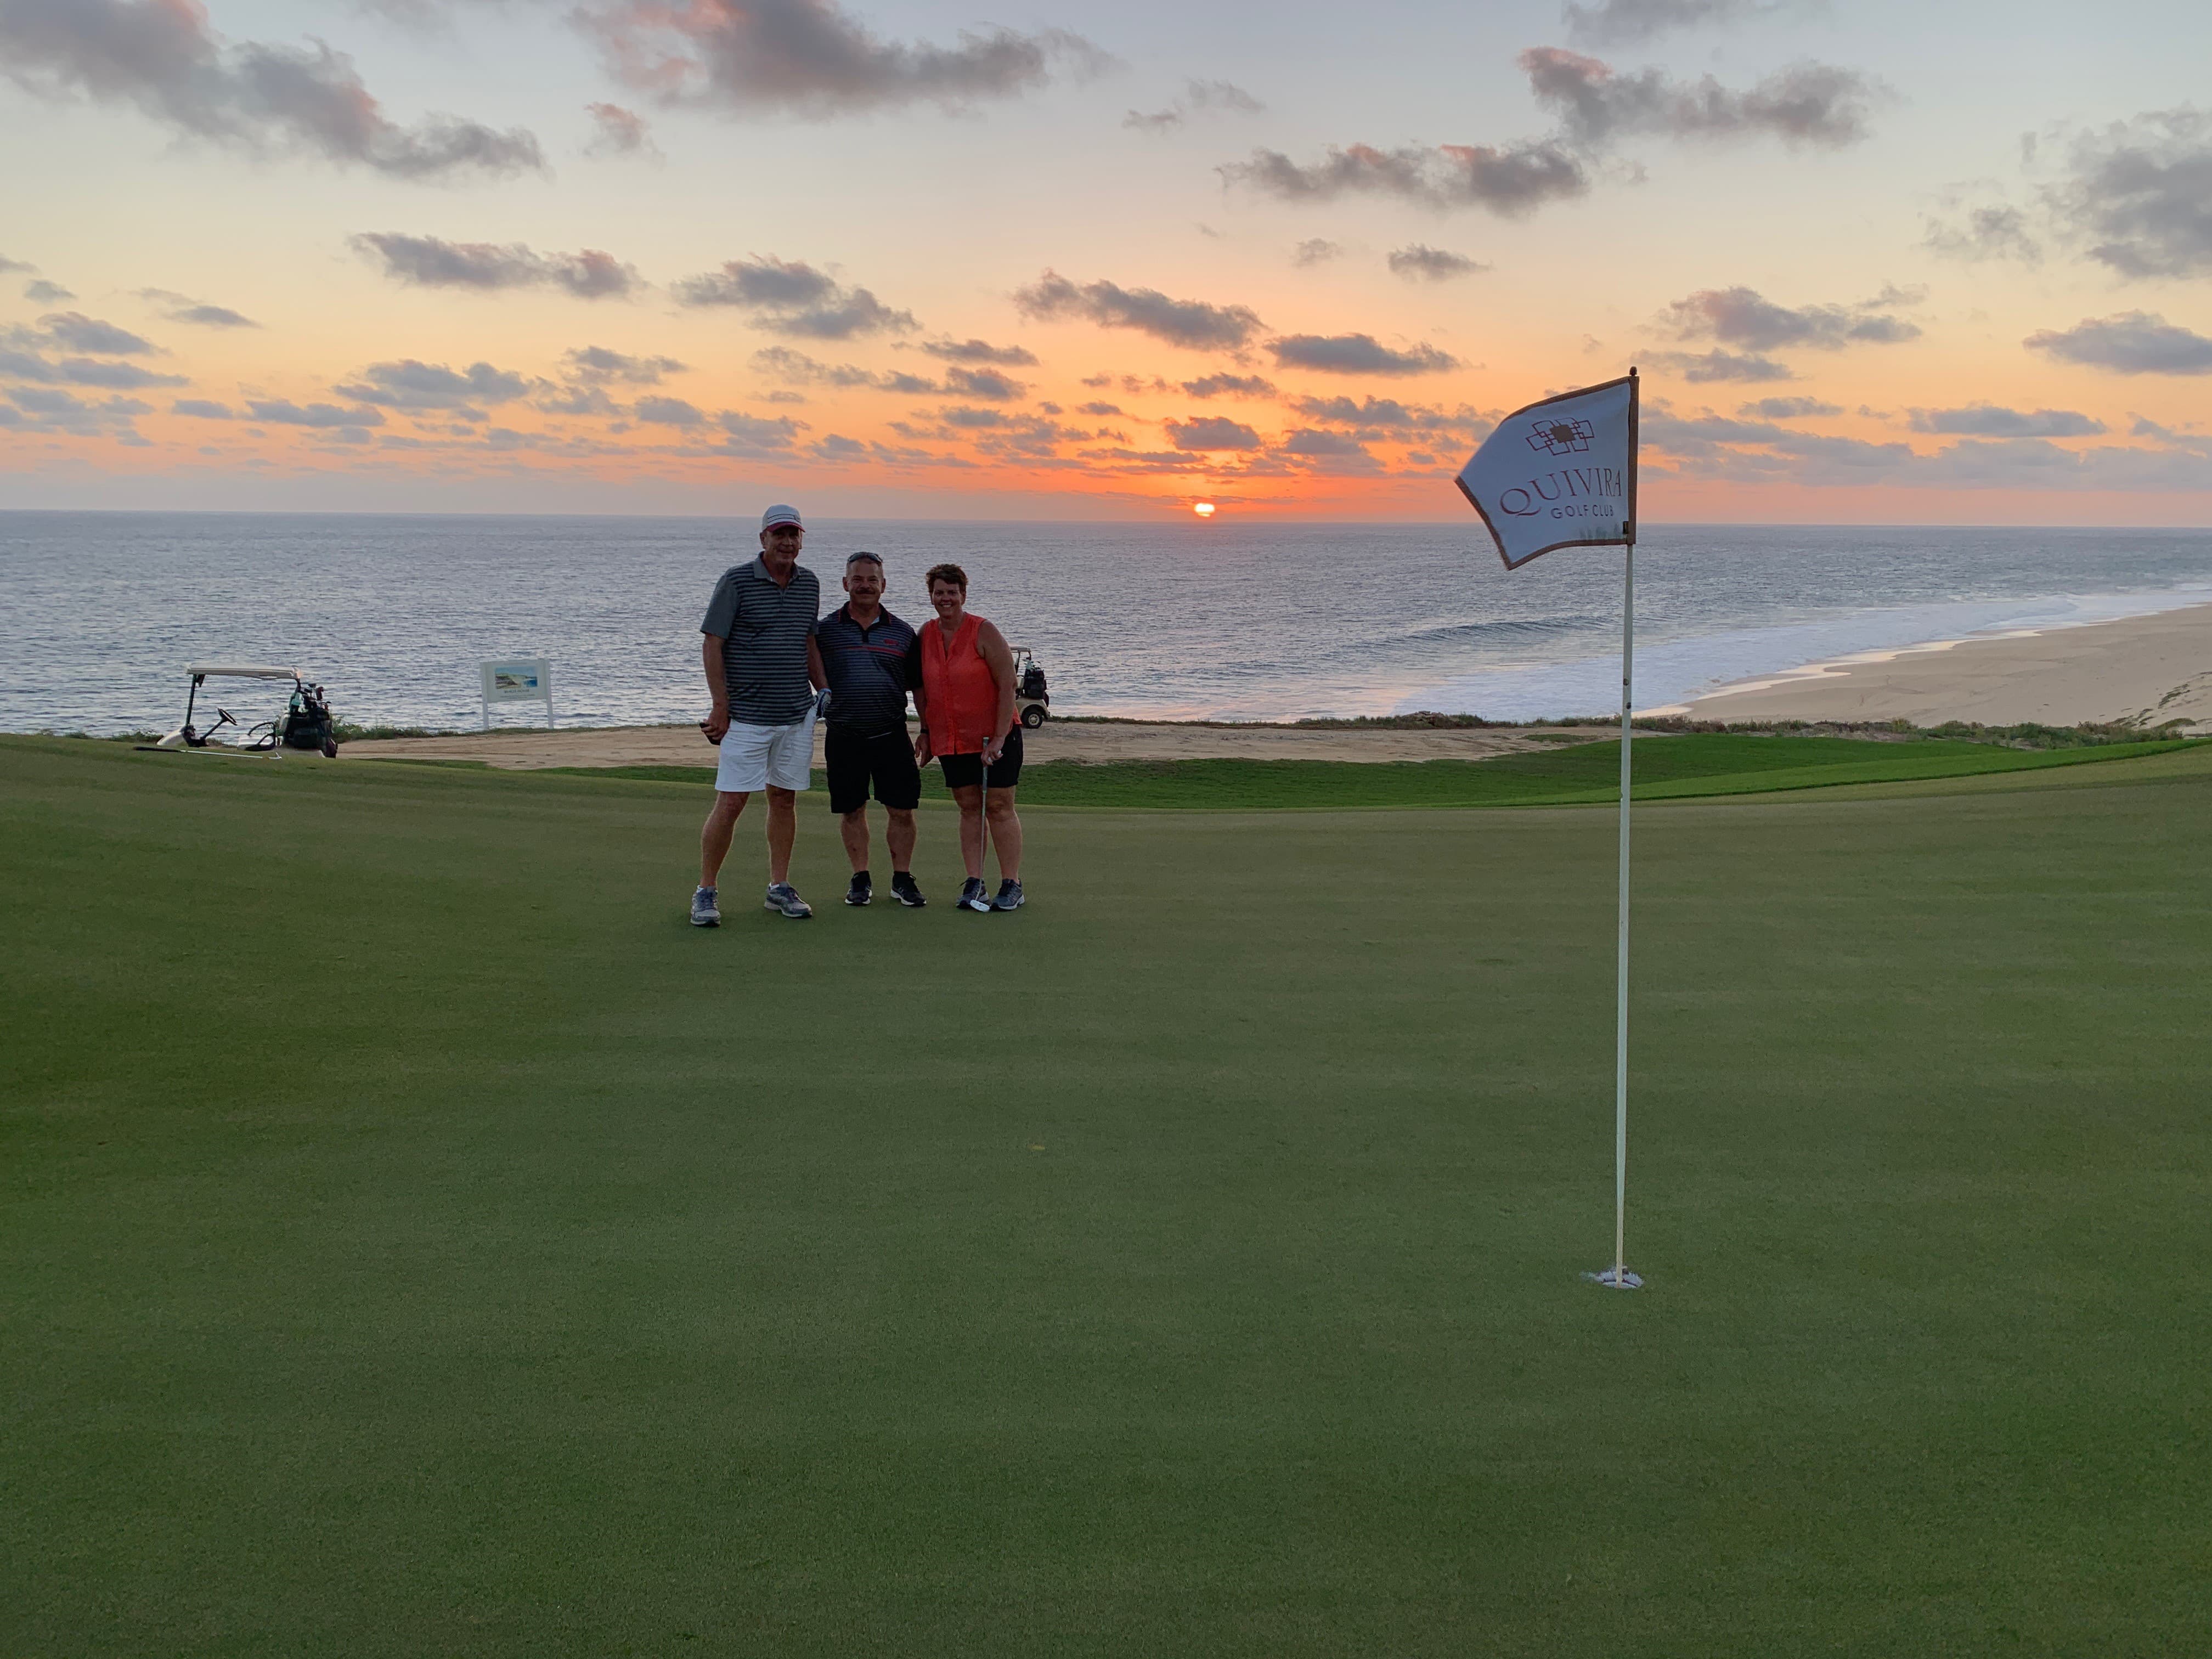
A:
[(763, 672)]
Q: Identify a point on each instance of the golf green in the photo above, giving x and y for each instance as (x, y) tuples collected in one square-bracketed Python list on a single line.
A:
[(418, 1240)]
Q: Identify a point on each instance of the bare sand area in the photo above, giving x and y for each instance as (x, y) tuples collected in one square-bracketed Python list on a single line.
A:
[(2139, 671), (524, 749)]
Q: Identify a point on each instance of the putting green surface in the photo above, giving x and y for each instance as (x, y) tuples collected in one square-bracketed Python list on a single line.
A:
[(418, 1240)]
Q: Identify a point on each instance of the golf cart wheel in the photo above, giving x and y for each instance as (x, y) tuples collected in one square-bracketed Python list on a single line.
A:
[(1033, 716)]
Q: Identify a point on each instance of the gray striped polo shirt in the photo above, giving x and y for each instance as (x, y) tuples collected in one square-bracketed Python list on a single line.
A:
[(764, 630)]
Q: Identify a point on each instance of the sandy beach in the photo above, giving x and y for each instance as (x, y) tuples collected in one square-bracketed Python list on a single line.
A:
[(2139, 671)]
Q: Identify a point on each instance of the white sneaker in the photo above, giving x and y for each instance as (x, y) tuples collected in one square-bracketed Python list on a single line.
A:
[(782, 898), (704, 912)]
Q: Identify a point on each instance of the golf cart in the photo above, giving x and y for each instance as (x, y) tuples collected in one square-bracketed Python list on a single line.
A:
[(1030, 694), (305, 725)]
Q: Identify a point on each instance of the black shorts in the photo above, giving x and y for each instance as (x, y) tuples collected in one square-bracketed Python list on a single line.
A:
[(961, 771), (886, 761)]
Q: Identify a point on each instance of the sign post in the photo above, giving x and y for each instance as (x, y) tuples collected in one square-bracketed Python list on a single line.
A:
[(1561, 472), (523, 679)]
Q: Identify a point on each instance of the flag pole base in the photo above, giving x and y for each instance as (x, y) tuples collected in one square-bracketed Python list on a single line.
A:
[(1617, 1278)]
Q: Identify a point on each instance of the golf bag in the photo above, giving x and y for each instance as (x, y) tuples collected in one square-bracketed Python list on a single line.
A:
[(307, 722), (1033, 682)]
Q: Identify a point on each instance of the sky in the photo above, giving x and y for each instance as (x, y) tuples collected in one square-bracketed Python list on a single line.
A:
[(1877, 263)]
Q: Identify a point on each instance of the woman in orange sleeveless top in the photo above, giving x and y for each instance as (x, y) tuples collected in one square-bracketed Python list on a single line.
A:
[(967, 700)]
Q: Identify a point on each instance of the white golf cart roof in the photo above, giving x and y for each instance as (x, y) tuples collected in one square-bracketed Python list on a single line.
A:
[(241, 671)]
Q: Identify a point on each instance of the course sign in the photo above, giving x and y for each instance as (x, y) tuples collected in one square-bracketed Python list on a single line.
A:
[(520, 679)]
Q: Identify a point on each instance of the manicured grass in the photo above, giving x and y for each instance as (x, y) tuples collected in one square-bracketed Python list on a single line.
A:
[(1706, 764), (419, 1241)]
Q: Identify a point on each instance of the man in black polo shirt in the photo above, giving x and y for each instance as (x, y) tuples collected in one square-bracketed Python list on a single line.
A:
[(872, 661)]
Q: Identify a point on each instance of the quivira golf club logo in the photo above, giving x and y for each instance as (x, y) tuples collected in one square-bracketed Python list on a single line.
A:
[(1561, 437)]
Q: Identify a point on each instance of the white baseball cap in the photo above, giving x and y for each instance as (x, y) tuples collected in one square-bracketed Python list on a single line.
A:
[(780, 514)]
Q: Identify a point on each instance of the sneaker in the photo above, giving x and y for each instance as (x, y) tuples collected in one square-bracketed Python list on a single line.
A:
[(1009, 896), (975, 895), (704, 912), (781, 898), (862, 891), (907, 893)]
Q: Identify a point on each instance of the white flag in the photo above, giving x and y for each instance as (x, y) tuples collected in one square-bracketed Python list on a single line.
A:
[(1560, 473)]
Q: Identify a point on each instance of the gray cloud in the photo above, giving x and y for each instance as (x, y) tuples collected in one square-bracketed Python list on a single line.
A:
[(1804, 104), (1990, 421), (1357, 354), (281, 411), (791, 297), (75, 331), (432, 261), (1199, 97), (202, 408), (1315, 250), (810, 58), (1191, 323), (1231, 385), (7, 264), (1211, 432), (182, 308), (2130, 342), (159, 56), (1386, 417), (1985, 233), (597, 366), (1743, 317), (413, 387), (39, 291), (981, 351), (1417, 262), (1098, 409), (1510, 181), (987, 384), (618, 131), (2140, 192), (668, 411), (1788, 408), (1632, 21), (1702, 368)]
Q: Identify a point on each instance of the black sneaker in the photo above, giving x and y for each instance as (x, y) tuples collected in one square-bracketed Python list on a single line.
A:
[(905, 891), (1010, 896), (975, 895), (862, 891)]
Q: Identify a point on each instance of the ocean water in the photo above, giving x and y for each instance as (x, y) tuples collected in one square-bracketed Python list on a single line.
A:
[(100, 613)]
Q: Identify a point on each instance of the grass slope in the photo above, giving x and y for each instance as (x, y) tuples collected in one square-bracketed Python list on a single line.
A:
[(1714, 764), (419, 1241)]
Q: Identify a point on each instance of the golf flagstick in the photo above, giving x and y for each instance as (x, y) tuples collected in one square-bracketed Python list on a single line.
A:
[(1561, 472)]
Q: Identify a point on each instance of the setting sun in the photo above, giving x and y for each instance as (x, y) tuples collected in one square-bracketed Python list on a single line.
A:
[(1203, 509)]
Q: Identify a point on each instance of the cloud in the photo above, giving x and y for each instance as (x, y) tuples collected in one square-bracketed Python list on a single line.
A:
[(2130, 342), (281, 411), (1098, 409), (182, 308), (202, 408), (987, 384), (1199, 97), (1510, 181), (75, 331), (7, 264), (811, 59), (161, 56), (791, 297), (1380, 416), (1233, 386), (1788, 408), (1986, 233), (1702, 368), (1804, 104), (413, 387), (115, 377), (432, 261), (2140, 192), (39, 291), (1990, 421), (981, 351), (1190, 323), (1632, 21), (1357, 354), (597, 366), (1212, 432), (618, 131), (1315, 250), (1417, 262), (1743, 317), (668, 411)]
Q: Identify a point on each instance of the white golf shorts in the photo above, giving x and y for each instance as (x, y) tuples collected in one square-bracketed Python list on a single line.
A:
[(755, 757)]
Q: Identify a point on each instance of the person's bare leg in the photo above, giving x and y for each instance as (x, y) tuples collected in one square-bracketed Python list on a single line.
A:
[(1006, 835), (971, 828), (898, 835), (714, 837), (782, 830), (853, 827)]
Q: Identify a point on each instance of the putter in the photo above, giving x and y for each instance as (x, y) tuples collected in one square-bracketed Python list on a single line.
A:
[(984, 860)]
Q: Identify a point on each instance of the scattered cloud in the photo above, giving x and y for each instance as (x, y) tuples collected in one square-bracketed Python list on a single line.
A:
[(7, 264), (597, 366), (1315, 250), (202, 409), (2130, 342), (1743, 317), (987, 384), (182, 308), (413, 387), (39, 291), (810, 59), (1511, 181), (1198, 98), (1788, 408), (2139, 193), (1190, 323), (667, 411), (1228, 385), (1417, 262), (1357, 354), (981, 351), (1098, 409), (1804, 104), (78, 332), (1990, 421), (1377, 417), (281, 411), (1631, 23), (1211, 432), (161, 56), (618, 131), (791, 297), (432, 261), (1985, 233), (1702, 368)]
